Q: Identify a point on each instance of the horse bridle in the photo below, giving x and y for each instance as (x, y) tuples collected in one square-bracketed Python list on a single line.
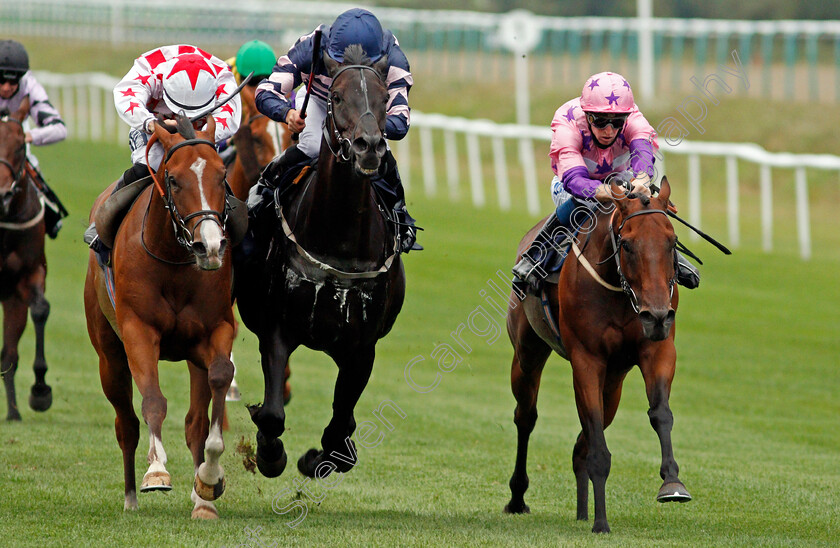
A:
[(184, 236), (615, 238), (17, 175), (345, 144)]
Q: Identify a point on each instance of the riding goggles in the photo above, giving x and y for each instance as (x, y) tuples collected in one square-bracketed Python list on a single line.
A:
[(10, 77), (601, 122)]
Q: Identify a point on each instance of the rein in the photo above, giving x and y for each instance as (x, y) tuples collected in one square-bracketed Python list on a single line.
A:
[(344, 144), (183, 235)]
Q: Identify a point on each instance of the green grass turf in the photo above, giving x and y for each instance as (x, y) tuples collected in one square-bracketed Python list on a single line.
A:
[(754, 401)]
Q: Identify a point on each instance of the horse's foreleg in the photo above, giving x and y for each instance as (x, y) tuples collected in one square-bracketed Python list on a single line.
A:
[(588, 374), (40, 397), (210, 478), (270, 417), (658, 371), (612, 396), (14, 322), (525, 375), (196, 430), (142, 345), (338, 450)]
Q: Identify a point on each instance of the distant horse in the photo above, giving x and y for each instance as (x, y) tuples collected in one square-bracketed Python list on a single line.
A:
[(612, 307), (171, 300), (332, 281), (23, 265), (254, 150)]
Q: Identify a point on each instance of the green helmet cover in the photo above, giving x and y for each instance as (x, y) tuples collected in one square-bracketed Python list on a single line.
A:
[(255, 56)]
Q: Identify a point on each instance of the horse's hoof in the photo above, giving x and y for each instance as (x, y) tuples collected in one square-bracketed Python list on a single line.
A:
[(40, 398), (208, 492), (600, 526), (517, 508), (156, 481), (271, 461), (309, 461), (205, 512), (673, 492), (13, 416)]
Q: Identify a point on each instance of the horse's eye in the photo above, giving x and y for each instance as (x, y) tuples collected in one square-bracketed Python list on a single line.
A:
[(336, 99), (625, 245)]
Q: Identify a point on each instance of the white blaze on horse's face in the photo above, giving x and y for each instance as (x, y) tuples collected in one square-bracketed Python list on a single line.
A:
[(210, 232)]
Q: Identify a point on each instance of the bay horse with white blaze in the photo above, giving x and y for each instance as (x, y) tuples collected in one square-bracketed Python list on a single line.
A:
[(612, 307), (171, 300), (23, 264), (333, 280)]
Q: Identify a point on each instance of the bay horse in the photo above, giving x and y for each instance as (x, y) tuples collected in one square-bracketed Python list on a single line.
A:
[(171, 289), (23, 264), (332, 280), (612, 307)]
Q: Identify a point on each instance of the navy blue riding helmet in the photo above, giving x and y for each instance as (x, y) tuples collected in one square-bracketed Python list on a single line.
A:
[(355, 26)]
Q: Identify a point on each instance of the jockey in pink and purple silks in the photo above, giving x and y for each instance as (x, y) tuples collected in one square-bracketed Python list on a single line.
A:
[(600, 134)]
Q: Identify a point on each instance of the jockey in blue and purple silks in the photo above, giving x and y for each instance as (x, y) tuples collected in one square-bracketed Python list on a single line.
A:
[(602, 133), (355, 26)]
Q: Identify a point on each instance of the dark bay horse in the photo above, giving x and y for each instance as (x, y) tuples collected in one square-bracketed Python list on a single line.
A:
[(604, 326), (171, 300), (332, 281), (23, 265)]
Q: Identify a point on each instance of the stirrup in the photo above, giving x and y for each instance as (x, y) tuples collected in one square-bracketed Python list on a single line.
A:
[(526, 271)]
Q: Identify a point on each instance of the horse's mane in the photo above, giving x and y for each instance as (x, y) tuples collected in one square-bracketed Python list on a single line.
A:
[(354, 54)]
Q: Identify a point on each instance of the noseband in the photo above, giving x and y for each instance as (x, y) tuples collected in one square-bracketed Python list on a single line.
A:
[(345, 144), (183, 235), (615, 238)]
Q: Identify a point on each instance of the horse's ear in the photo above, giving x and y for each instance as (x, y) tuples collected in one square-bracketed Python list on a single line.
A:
[(164, 135), (619, 195), (382, 67), (331, 64), (664, 191), (22, 111), (210, 130)]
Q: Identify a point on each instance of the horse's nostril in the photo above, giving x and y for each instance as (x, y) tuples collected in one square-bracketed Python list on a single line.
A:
[(222, 246), (360, 146), (199, 248)]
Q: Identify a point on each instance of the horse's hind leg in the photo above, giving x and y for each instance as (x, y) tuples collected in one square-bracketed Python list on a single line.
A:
[(658, 372), (40, 397), (14, 322), (529, 357), (338, 450), (116, 383)]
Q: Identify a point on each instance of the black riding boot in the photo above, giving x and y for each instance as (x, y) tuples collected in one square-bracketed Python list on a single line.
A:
[(261, 202), (394, 195), (54, 210), (531, 268), (687, 274)]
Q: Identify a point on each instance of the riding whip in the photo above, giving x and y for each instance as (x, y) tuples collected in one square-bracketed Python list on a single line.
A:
[(702, 234), (316, 54)]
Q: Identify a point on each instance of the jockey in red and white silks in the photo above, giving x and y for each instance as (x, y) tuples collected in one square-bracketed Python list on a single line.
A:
[(168, 79)]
